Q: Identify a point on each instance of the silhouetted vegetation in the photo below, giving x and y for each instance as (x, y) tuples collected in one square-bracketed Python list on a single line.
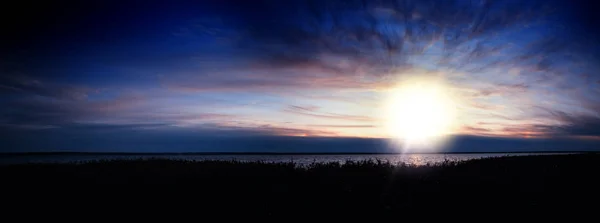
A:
[(375, 187)]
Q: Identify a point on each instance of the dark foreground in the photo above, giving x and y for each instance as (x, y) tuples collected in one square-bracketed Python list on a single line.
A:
[(503, 185)]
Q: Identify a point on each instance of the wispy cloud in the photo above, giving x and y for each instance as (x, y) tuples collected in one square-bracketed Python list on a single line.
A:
[(124, 111), (344, 126), (19, 84), (472, 129), (250, 129), (299, 110), (265, 80)]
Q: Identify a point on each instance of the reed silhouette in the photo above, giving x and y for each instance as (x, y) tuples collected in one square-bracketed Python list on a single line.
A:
[(368, 187)]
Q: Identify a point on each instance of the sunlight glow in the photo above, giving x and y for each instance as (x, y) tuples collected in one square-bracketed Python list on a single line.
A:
[(420, 114)]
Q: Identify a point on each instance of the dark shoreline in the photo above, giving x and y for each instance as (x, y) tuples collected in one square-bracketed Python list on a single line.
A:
[(274, 153), (508, 183)]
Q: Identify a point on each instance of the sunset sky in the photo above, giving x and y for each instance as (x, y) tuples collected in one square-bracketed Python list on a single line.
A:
[(103, 74)]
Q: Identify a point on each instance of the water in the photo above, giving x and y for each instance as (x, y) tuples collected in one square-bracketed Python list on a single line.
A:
[(413, 159)]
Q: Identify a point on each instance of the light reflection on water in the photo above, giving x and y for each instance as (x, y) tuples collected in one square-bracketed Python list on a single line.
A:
[(411, 159)]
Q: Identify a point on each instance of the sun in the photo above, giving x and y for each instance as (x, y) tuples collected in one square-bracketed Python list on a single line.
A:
[(420, 113)]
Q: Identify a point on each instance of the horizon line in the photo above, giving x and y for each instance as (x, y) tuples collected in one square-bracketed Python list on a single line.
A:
[(274, 153)]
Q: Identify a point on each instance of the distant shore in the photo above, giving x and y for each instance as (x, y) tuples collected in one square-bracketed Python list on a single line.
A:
[(276, 153), (515, 182)]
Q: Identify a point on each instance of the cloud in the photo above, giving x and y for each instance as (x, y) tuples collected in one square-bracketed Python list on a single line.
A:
[(27, 126), (238, 78), (500, 89), (92, 127), (476, 129), (282, 131), (484, 106), (31, 110), (304, 45), (299, 110), (301, 32), (530, 130), (28, 85), (344, 126), (565, 125), (130, 112), (582, 125), (121, 111), (304, 108)]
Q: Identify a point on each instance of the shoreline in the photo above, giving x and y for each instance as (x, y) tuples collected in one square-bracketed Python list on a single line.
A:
[(266, 189), (275, 153)]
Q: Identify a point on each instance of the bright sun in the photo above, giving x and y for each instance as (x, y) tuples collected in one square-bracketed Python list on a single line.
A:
[(420, 114)]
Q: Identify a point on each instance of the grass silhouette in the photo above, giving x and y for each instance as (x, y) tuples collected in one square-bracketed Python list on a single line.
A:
[(373, 186)]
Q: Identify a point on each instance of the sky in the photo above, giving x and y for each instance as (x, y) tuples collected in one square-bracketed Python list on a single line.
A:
[(293, 76)]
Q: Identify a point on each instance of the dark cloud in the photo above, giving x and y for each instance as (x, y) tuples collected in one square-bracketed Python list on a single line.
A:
[(362, 44), (300, 32), (126, 111), (571, 124), (27, 85), (92, 127), (240, 141), (31, 110), (157, 137), (582, 125), (27, 126), (376, 36), (509, 144)]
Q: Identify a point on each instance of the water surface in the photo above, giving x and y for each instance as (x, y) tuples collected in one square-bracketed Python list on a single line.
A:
[(413, 159)]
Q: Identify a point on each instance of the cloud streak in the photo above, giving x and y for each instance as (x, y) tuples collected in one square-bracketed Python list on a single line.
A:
[(299, 110), (28, 85)]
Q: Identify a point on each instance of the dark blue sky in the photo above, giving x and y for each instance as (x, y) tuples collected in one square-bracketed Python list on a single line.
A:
[(232, 75)]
